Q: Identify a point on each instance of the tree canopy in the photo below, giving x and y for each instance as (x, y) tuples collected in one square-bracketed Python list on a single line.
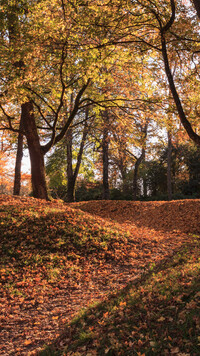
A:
[(132, 64)]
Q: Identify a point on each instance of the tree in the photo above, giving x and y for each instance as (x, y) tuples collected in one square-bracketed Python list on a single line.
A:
[(18, 161), (182, 115), (5, 168), (164, 26), (191, 157), (105, 155), (72, 174), (169, 165), (12, 14), (106, 54), (65, 163), (43, 76)]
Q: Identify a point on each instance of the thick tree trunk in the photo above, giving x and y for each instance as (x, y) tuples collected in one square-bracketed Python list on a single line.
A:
[(71, 189), (18, 161), (36, 155), (105, 146), (169, 167)]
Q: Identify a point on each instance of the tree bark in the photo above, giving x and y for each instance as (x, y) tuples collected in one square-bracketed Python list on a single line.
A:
[(124, 181), (36, 155), (71, 189), (169, 167), (70, 178), (82, 145), (105, 146), (145, 185), (18, 161), (139, 159), (123, 166), (144, 180), (135, 175)]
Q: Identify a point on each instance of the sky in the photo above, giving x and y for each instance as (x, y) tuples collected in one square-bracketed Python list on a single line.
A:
[(26, 168)]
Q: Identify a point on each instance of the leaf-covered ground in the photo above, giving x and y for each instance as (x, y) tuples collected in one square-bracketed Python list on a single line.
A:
[(56, 260), (178, 216)]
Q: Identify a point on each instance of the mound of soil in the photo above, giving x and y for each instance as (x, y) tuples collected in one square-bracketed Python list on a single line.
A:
[(35, 306), (181, 215)]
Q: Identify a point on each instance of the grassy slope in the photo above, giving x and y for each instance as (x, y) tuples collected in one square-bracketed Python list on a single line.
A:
[(47, 245)]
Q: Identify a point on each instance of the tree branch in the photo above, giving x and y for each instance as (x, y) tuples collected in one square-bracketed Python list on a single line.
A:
[(9, 118), (76, 107), (186, 124)]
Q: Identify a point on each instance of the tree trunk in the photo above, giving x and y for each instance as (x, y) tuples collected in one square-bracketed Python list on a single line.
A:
[(123, 166), (144, 180), (80, 153), (105, 146), (135, 175), (70, 178), (13, 36), (145, 185), (36, 155), (139, 160), (182, 116), (169, 167), (71, 189), (18, 161), (124, 180)]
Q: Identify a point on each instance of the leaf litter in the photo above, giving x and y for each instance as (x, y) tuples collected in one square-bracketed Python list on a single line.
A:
[(59, 258)]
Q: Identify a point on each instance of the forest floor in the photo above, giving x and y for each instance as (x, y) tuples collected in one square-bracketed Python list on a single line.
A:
[(127, 271)]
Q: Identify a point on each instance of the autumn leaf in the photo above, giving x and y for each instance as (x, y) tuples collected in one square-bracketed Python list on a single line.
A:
[(48, 275)]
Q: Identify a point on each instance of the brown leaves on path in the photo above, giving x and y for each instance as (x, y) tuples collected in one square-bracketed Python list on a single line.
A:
[(178, 216), (57, 260)]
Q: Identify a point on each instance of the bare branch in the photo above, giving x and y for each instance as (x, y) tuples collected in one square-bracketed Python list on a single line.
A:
[(9, 118), (172, 18), (41, 114), (76, 107)]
